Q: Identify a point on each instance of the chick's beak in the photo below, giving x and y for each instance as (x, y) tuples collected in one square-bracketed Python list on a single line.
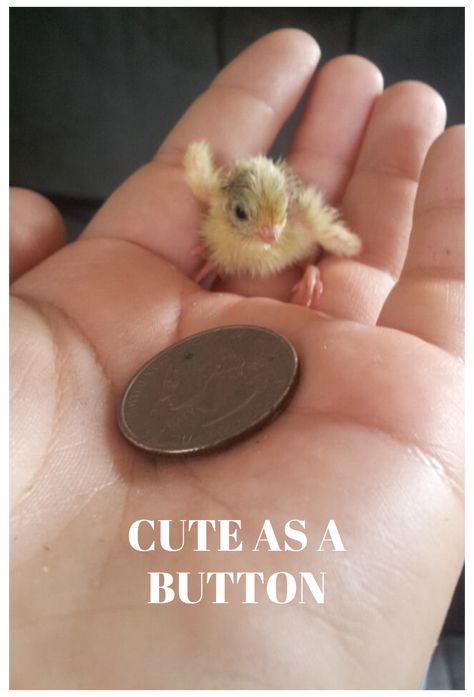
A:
[(269, 233)]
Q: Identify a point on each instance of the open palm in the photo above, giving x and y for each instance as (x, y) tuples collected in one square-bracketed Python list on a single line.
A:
[(372, 438)]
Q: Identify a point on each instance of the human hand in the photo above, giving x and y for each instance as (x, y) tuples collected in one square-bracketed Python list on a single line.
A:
[(372, 438)]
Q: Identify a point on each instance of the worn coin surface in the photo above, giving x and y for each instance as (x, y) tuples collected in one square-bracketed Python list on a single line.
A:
[(209, 390)]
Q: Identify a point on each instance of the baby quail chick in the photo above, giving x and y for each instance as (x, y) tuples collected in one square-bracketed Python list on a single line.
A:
[(262, 218)]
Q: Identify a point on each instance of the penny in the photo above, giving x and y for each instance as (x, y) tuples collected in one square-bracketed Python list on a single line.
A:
[(209, 390)]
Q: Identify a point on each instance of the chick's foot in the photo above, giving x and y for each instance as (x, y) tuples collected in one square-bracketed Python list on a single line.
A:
[(309, 289)]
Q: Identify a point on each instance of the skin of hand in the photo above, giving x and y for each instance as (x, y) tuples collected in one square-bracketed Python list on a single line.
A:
[(373, 437), (261, 217)]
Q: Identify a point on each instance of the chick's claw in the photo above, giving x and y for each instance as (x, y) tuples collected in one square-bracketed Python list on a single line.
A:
[(206, 274), (309, 289)]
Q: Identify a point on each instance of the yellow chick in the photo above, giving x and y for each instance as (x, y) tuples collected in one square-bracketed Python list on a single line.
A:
[(262, 218)]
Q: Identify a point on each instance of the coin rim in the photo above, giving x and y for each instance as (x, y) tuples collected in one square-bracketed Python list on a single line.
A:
[(242, 435)]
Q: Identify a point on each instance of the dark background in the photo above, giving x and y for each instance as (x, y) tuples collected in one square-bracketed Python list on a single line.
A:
[(95, 90)]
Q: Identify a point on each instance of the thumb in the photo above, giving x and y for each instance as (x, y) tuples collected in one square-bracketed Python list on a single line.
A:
[(37, 230)]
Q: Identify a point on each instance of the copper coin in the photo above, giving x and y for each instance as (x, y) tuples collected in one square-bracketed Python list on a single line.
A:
[(209, 390)]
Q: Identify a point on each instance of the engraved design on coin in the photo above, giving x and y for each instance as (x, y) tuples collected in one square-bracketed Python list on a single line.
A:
[(209, 390)]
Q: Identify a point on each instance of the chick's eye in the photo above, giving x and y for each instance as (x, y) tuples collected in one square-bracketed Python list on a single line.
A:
[(240, 212)]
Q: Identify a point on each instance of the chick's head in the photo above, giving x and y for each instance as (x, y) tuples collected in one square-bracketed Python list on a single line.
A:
[(254, 199)]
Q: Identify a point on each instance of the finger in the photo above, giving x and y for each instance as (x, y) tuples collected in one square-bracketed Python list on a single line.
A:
[(379, 199), (249, 100), (240, 113), (428, 300), (36, 230), (325, 145), (328, 136)]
